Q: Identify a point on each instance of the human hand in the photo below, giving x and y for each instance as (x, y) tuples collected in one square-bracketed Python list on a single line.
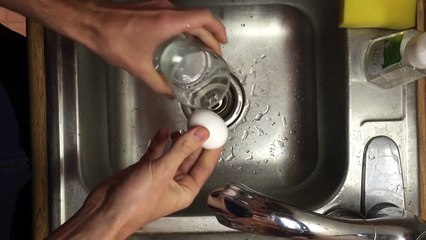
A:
[(124, 35), (159, 184), (127, 37)]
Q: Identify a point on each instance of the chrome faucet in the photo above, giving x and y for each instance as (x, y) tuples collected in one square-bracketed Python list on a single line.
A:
[(239, 207)]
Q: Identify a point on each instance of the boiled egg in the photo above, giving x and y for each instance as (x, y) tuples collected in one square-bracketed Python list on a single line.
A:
[(214, 123)]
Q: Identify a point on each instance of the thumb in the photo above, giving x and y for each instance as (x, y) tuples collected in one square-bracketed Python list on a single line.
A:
[(187, 144)]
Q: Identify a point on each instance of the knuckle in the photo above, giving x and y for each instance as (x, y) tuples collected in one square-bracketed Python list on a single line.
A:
[(203, 167), (165, 17), (159, 89), (152, 151), (187, 146), (206, 13)]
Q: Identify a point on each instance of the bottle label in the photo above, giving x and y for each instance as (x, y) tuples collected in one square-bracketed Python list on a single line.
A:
[(391, 51), (383, 54)]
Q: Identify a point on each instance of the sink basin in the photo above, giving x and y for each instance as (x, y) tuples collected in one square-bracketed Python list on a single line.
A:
[(299, 114), (281, 102)]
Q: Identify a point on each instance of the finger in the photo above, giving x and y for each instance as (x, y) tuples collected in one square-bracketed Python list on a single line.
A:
[(157, 145), (210, 23), (204, 167), (185, 21), (207, 38), (175, 136), (187, 144), (158, 4), (199, 173), (148, 5), (188, 162), (154, 80)]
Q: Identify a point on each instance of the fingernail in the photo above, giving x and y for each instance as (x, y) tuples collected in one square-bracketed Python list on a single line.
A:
[(220, 50), (201, 134), (164, 133)]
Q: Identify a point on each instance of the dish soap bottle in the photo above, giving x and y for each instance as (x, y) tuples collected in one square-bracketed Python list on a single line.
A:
[(396, 59)]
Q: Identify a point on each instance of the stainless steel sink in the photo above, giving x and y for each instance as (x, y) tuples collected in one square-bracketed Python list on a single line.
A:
[(299, 113)]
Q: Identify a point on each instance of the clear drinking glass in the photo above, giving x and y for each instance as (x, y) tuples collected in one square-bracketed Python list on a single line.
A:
[(198, 77)]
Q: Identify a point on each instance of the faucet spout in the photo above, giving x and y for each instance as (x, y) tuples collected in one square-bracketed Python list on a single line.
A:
[(244, 209)]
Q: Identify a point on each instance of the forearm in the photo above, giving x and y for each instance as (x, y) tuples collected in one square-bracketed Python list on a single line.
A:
[(67, 17), (91, 223)]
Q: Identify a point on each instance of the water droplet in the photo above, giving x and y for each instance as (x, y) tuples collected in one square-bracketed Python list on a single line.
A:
[(292, 132), (221, 160), (240, 168), (243, 25), (258, 116), (263, 56), (231, 156), (278, 114), (252, 93), (246, 150), (267, 109), (256, 60), (371, 157), (134, 109), (243, 79), (284, 121), (245, 135), (249, 158), (266, 161), (254, 172), (244, 114), (279, 143), (260, 132), (236, 126)]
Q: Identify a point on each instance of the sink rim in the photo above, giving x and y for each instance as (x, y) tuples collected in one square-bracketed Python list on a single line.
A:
[(57, 96)]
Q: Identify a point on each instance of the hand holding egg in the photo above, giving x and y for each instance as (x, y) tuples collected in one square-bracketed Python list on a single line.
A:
[(215, 124)]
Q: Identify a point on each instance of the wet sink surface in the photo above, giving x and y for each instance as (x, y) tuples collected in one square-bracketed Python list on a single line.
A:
[(299, 115), (281, 103)]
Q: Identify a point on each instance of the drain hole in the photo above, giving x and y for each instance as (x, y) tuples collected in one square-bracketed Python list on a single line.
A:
[(230, 107), (216, 106)]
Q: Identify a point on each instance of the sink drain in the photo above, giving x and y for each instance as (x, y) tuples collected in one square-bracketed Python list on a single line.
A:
[(230, 107)]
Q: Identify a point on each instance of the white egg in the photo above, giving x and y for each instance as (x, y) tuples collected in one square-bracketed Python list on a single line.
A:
[(215, 124)]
